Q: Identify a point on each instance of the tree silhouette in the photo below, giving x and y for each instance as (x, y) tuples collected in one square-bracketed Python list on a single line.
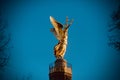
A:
[(4, 38), (114, 30)]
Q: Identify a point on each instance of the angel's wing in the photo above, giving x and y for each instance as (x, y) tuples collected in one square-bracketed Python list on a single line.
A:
[(54, 32), (57, 28)]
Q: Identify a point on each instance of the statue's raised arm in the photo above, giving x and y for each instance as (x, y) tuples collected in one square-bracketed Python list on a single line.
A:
[(61, 33)]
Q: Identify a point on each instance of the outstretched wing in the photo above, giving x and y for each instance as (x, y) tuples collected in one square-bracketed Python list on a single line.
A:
[(57, 28), (54, 32)]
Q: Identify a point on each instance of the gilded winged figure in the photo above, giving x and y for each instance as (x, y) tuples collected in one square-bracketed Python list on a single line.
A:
[(61, 33)]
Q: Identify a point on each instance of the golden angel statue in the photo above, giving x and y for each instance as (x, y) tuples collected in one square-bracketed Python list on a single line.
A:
[(61, 33)]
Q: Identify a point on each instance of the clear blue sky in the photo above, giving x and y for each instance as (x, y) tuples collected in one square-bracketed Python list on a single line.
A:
[(87, 51)]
